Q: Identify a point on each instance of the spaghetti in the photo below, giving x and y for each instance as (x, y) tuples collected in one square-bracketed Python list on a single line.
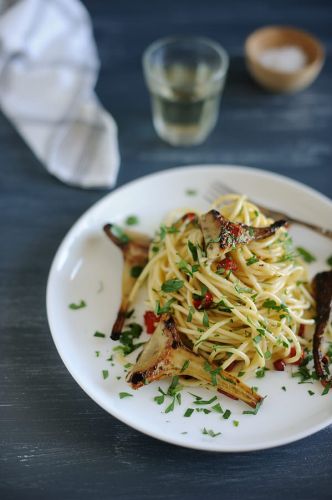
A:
[(244, 312)]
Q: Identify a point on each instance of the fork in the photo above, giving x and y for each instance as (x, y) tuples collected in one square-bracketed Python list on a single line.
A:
[(218, 188)]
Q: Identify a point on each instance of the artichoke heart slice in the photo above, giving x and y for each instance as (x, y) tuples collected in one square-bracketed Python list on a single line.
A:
[(221, 235), (165, 355)]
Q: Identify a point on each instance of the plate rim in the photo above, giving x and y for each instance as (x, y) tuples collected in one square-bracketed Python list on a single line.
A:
[(273, 443)]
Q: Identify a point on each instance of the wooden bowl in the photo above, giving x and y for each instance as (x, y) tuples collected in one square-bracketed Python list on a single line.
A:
[(276, 37)]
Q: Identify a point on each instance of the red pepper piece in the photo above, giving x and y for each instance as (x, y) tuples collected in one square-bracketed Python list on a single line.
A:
[(228, 264), (292, 353), (279, 365), (150, 320), (189, 217), (205, 302)]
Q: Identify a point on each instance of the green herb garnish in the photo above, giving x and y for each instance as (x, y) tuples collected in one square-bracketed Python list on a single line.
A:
[(210, 433), (252, 260), (80, 305), (120, 234), (127, 339), (99, 334), (327, 388), (260, 372), (105, 374), (271, 304), (185, 365), (193, 250), (190, 314), (311, 392), (135, 271), (191, 192), (253, 412), (205, 402), (172, 285), (188, 412), (123, 395), (164, 309), (217, 408), (132, 220), (329, 261), (306, 256), (227, 414), (206, 320)]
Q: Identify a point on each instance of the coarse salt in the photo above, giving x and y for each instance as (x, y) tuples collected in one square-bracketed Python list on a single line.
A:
[(287, 59)]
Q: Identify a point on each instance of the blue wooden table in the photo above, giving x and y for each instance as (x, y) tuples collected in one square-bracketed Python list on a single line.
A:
[(55, 442)]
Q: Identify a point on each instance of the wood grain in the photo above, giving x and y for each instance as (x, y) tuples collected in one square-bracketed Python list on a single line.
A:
[(54, 441)]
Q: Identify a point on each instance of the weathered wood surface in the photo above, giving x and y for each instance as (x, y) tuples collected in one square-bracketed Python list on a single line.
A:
[(56, 443)]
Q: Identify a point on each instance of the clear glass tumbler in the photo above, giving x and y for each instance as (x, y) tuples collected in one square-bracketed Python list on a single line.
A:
[(185, 76)]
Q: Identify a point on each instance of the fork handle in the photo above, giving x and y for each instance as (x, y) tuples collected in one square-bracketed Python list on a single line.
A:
[(318, 229)]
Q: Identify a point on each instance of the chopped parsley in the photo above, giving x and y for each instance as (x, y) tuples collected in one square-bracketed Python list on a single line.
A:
[(193, 250), (190, 314), (311, 392), (242, 289), (166, 230), (97, 353), (173, 392), (236, 423), (135, 271), (120, 234), (123, 395), (80, 305), (188, 412), (213, 373), (271, 304), (329, 261), (284, 388), (185, 267), (99, 334), (260, 372), (172, 285), (327, 388), (105, 374), (132, 220), (217, 408), (252, 260), (227, 414), (164, 309), (206, 320), (253, 412), (306, 256), (210, 432), (185, 365), (191, 192), (127, 339), (205, 402)]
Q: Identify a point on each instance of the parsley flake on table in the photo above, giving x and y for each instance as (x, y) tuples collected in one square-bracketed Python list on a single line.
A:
[(75, 307)]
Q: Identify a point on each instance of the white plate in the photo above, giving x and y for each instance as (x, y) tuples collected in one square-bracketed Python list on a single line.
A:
[(87, 266)]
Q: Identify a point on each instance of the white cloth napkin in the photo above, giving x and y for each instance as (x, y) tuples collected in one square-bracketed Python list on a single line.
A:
[(48, 70)]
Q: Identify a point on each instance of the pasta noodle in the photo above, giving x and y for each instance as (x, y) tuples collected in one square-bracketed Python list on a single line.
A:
[(246, 313)]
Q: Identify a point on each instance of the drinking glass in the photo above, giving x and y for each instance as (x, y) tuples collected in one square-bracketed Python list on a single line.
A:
[(185, 76)]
